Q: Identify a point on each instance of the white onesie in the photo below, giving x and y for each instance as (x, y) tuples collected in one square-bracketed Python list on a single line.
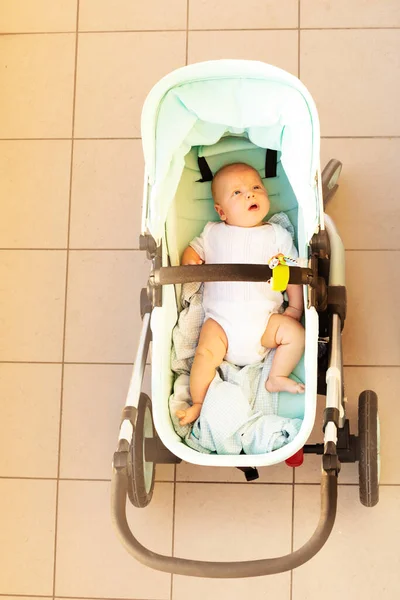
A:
[(242, 308)]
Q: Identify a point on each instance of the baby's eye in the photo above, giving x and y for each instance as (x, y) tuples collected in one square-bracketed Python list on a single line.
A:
[(236, 192), (257, 187)]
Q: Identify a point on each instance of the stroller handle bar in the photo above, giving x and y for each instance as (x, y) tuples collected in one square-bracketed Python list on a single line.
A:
[(198, 568), (240, 272)]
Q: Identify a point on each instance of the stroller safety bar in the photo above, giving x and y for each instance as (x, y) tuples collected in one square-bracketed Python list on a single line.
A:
[(198, 568), (191, 273)]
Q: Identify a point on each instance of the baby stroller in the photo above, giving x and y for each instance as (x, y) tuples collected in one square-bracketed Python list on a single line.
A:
[(194, 121)]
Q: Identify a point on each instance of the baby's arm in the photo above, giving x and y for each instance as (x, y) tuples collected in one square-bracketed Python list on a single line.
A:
[(190, 257), (295, 295), (194, 254)]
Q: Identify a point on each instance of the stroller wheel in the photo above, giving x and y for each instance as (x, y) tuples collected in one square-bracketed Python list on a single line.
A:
[(368, 436), (141, 473)]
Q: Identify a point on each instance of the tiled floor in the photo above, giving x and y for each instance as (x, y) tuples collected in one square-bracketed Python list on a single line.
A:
[(73, 76)]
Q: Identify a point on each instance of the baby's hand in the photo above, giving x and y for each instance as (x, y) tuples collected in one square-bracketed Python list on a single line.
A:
[(190, 257), (189, 415)]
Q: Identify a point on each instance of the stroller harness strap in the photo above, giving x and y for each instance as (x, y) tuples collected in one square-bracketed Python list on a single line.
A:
[(271, 159), (205, 171)]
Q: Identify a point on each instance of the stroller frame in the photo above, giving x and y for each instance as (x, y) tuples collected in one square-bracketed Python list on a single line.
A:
[(139, 446)]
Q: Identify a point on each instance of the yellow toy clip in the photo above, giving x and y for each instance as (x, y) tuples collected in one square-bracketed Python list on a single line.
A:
[(280, 272)]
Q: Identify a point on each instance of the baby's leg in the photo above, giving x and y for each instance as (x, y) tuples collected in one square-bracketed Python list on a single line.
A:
[(287, 335), (210, 353)]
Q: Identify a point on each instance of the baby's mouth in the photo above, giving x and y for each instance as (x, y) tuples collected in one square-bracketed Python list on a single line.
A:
[(253, 206)]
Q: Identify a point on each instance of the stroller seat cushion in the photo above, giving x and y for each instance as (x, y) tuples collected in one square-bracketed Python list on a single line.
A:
[(238, 412), (258, 421), (193, 205)]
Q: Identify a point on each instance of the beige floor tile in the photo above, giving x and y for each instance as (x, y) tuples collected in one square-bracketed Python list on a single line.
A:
[(275, 474), (253, 14), (371, 334), (107, 193), (37, 101), (34, 188), (95, 394), (86, 537), (365, 207), (103, 15), (29, 419), (232, 522), (364, 545), (32, 305), (341, 13), (103, 315), (279, 48), (385, 382), (27, 518), (42, 15), (115, 73), (353, 77)]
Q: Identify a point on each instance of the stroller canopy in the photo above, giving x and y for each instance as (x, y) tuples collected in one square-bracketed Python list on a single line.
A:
[(199, 104)]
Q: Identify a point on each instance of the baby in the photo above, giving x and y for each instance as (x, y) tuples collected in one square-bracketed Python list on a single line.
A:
[(243, 319)]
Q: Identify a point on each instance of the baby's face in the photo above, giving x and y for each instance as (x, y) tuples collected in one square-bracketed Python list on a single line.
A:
[(240, 197)]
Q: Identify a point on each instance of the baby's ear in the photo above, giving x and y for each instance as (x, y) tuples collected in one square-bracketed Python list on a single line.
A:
[(221, 213)]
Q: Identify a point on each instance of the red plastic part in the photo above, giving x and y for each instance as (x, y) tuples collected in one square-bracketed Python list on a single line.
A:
[(296, 460)]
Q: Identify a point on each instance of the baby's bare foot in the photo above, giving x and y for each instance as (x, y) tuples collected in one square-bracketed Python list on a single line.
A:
[(284, 384), (189, 415)]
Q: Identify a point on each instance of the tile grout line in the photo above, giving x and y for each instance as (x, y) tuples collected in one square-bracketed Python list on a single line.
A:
[(123, 138), (360, 137), (77, 249), (298, 39), (171, 592), (187, 33), (130, 364), (197, 482), (292, 534), (71, 597), (69, 362), (68, 139), (233, 29), (140, 251), (65, 300), (79, 479)]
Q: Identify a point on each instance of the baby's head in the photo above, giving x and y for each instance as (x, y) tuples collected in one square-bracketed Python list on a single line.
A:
[(240, 197)]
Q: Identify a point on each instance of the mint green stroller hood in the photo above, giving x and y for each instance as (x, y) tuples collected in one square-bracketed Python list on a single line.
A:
[(198, 104)]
